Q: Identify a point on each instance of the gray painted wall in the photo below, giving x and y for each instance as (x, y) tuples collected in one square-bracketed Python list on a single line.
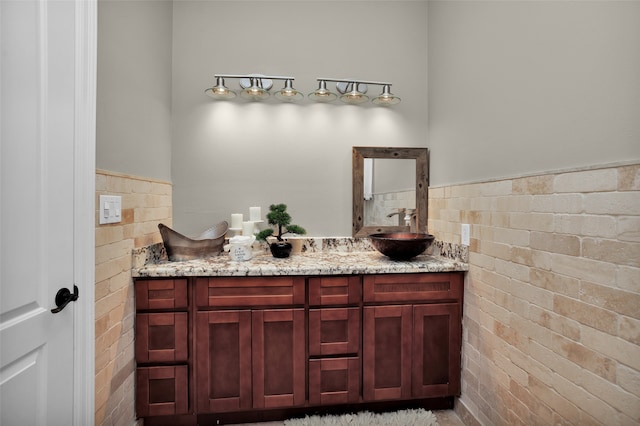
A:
[(529, 86), (514, 88), (133, 116), (228, 156)]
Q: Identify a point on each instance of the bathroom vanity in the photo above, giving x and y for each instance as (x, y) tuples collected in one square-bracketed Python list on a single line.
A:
[(222, 341)]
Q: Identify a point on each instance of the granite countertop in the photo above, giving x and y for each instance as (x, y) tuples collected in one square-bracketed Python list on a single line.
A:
[(313, 263)]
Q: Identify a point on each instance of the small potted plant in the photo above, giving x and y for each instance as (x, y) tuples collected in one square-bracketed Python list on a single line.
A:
[(278, 216)]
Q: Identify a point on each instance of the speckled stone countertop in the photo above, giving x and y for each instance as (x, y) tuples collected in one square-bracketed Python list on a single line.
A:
[(333, 259)]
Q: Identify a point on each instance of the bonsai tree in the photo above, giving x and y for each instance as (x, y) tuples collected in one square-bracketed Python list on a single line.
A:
[(278, 216)]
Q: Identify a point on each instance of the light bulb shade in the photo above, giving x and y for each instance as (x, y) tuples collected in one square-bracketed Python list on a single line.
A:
[(354, 97), (322, 94), (255, 92), (220, 91), (386, 98), (288, 93), (353, 92)]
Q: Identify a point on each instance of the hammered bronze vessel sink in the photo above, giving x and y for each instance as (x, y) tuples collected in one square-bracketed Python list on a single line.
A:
[(401, 245), (180, 247)]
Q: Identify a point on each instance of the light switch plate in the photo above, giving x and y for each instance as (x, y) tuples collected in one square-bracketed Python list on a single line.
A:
[(110, 210), (464, 234)]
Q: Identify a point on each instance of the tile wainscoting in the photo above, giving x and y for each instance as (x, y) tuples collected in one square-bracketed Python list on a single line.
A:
[(145, 203), (552, 298)]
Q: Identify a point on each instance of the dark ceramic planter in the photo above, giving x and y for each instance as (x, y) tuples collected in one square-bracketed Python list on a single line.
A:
[(280, 249)]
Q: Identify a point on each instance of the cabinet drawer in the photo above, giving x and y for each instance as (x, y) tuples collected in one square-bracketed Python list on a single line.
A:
[(161, 337), (334, 290), (334, 381), (162, 391), (412, 287), (334, 331), (161, 294), (254, 291)]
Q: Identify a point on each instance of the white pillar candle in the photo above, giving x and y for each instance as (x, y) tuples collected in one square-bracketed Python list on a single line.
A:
[(236, 220), (247, 228), (255, 214)]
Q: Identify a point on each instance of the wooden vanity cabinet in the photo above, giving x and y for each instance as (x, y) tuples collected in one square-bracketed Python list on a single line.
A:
[(250, 343), (162, 347), (210, 347), (412, 335)]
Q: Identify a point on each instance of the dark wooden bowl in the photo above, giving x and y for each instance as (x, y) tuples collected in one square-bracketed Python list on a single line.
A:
[(401, 245)]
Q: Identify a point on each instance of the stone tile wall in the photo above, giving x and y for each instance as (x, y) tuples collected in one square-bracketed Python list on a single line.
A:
[(552, 298), (145, 203), (377, 209)]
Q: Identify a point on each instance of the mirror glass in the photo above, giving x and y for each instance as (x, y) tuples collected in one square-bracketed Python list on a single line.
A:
[(387, 182), (392, 184)]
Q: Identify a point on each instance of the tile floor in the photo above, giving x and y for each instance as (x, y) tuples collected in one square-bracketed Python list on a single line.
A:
[(445, 418)]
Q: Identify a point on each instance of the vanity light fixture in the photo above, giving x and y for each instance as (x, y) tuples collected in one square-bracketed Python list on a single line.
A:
[(255, 87), (354, 91)]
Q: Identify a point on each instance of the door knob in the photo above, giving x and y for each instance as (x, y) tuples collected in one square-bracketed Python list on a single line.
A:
[(63, 297)]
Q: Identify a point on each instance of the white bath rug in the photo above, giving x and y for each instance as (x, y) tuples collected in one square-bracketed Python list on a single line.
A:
[(418, 417)]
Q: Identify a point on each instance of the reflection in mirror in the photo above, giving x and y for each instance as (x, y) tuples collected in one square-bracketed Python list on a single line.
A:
[(388, 183), (392, 191)]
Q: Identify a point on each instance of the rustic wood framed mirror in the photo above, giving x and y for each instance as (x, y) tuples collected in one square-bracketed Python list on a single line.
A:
[(388, 207)]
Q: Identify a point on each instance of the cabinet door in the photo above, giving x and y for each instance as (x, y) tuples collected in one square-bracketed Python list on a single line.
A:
[(223, 353), (436, 350), (278, 339), (386, 352), (334, 331), (334, 381)]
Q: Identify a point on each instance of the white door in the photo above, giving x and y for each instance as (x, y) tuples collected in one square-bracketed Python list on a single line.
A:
[(46, 213)]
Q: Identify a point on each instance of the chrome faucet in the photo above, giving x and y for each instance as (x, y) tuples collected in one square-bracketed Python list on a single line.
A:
[(400, 212), (410, 219)]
